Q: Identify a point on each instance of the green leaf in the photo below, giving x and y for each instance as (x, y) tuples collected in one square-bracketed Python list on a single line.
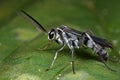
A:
[(20, 58)]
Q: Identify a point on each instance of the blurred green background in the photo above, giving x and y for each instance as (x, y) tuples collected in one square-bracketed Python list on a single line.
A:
[(19, 40)]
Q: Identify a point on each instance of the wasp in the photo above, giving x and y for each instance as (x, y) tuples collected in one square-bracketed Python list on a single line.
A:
[(66, 36)]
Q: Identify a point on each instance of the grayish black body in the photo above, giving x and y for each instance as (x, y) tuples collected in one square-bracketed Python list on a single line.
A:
[(73, 39)]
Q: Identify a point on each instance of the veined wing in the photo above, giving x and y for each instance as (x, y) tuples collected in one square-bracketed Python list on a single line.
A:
[(70, 30), (97, 40), (102, 42)]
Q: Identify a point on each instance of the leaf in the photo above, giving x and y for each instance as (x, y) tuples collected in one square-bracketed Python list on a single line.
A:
[(20, 58)]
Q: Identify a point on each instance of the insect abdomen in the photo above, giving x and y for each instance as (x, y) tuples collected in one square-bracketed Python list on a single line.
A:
[(96, 48), (103, 53)]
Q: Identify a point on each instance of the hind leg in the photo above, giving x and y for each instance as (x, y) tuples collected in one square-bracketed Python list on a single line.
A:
[(103, 61)]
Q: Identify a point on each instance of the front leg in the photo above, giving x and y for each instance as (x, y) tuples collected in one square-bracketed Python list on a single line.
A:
[(55, 57), (46, 46)]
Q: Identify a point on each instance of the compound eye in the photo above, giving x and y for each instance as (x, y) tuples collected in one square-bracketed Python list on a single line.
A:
[(51, 35)]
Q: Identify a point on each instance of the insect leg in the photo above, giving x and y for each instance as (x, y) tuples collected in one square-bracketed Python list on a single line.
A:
[(46, 46), (106, 64), (73, 60), (55, 57), (70, 45)]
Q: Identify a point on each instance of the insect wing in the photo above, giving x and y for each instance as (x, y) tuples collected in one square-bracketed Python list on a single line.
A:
[(70, 30), (97, 40), (101, 41)]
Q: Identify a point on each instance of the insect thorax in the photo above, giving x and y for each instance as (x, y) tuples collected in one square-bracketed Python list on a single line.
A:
[(63, 37)]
